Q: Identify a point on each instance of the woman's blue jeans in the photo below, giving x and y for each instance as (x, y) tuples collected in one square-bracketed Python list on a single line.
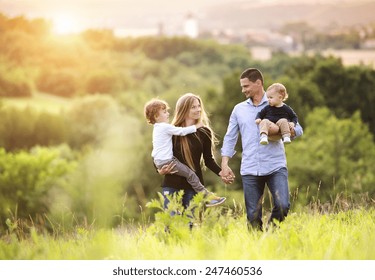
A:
[(253, 187), (186, 198)]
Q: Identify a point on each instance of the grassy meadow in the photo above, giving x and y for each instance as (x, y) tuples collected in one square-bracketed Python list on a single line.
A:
[(217, 234)]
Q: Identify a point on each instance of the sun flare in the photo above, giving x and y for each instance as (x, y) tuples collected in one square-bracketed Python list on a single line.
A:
[(65, 24)]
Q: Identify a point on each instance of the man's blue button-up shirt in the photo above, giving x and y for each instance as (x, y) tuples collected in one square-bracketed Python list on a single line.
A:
[(257, 159)]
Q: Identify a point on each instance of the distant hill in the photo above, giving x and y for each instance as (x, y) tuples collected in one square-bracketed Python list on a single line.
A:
[(320, 15)]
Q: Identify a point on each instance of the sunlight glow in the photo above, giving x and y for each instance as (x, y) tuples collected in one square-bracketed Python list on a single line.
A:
[(65, 24)]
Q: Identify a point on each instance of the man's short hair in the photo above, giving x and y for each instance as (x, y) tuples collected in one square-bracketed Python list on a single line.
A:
[(252, 74)]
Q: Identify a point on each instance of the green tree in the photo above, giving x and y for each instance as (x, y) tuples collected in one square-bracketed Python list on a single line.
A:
[(346, 89), (335, 85), (304, 96), (89, 119), (61, 83), (99, 39), (102, 82), (15, 81), (301, 32), (362, 92), (335, 154)]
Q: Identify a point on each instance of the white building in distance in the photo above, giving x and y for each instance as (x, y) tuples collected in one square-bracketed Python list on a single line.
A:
[(191, 28)]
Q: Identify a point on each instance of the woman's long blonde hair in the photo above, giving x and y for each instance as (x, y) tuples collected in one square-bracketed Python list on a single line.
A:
[(183, 106)]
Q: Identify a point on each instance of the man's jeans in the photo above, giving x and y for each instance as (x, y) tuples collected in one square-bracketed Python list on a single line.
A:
[(253, 187)]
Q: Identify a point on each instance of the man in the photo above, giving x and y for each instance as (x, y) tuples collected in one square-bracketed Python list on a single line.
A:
[(260, 164)]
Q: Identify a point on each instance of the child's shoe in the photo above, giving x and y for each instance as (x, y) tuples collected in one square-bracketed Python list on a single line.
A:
[(215, 201), (264, 140), (286, 140)]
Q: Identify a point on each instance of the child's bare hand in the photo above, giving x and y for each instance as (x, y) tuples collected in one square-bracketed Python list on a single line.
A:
[(199, 124), (257, 121)]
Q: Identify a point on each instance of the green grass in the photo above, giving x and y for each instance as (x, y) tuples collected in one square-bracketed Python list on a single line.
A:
[(302, 236), (39, 102)]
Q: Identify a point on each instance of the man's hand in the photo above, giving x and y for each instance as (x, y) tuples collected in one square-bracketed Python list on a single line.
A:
[(226, 174), (292, 131), (229, 179)]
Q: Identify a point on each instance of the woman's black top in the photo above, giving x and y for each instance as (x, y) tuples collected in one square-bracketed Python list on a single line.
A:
[(200, 145)]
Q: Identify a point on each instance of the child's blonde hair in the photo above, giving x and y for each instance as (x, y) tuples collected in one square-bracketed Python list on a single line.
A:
[(279, 88), (152, 108)]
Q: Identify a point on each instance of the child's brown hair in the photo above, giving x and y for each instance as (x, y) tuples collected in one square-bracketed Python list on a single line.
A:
[(152, 109)]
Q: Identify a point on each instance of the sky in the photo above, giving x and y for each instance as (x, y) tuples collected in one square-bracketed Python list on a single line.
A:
[(78, 15), (82, 14)]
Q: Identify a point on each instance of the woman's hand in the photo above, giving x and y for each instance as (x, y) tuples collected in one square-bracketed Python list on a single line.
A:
[(167, 169), (227, 176)]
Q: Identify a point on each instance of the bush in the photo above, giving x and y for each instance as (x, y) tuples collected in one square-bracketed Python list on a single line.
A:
[(89, 119), (26, 128), (26, 180), (50, 130), (102, 82), (14, 81), (60, 83), (14, 89), (17, 128)]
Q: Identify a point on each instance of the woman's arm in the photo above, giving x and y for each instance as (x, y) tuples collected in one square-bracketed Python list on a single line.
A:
[(208, 157)]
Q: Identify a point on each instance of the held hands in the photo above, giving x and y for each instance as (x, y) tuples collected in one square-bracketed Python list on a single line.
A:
[(257, 121), (227, 175)]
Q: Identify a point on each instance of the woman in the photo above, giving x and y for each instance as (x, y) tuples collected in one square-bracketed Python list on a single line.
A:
[(190, 149)]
